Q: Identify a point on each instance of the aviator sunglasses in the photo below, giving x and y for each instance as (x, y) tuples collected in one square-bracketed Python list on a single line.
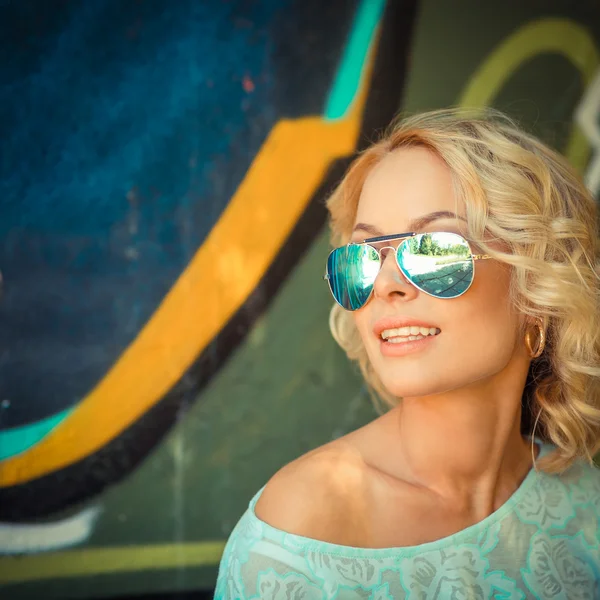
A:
[(440, 264)]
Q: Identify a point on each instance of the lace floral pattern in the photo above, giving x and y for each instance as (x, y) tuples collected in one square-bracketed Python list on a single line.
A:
[(461, 573), (548, 505), (543, 543), (587, 492), (336, 571), (561, 567), (291, 586), (381, 592)]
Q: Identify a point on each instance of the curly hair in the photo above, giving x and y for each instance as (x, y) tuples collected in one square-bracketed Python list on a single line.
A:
[(520, 192)]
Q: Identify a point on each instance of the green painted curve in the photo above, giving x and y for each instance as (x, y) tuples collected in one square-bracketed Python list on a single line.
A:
[(18, 439), (345, 84)]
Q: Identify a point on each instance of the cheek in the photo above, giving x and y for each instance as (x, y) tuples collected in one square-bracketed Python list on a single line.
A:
[(490, 301), (482, 324), (486, 334), (479, 333), (361, 322)]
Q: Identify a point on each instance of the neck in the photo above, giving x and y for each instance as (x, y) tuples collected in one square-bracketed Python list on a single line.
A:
[(465, 445)]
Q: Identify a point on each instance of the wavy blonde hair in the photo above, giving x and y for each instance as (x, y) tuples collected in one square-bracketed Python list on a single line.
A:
[(519, 191)]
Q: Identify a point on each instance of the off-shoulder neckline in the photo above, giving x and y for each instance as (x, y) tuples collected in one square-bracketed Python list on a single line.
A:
[(310, 544)]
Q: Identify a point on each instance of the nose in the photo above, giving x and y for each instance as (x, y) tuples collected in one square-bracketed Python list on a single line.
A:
[(390, 282)]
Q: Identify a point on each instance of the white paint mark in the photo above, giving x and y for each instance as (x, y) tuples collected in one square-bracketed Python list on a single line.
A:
[(21, 538), (587, 116), (132, 253)]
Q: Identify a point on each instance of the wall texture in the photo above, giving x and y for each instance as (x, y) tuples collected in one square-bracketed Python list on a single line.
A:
[(163, 324)]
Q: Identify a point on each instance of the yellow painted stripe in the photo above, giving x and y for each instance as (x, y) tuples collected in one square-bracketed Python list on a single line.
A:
[(549, 35), (98, 561), (226, 269)]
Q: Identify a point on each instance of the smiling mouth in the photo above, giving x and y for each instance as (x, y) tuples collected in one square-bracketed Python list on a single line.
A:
[(402, 335)]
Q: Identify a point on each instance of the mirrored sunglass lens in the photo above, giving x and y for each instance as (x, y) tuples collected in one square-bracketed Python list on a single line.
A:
[(438, 263), (352, 270)]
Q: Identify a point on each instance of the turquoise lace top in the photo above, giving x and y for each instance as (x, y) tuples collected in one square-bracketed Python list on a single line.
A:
[(542, 543)]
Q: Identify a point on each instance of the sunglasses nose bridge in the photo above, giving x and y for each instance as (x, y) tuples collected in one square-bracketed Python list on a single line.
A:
[(399, 275), (391, 283), (381, 251)]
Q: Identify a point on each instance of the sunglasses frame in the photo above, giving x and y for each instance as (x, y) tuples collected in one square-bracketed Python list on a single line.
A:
[(404, 237)]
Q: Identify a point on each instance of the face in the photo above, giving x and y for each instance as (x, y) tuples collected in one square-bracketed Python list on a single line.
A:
[(478, 331)]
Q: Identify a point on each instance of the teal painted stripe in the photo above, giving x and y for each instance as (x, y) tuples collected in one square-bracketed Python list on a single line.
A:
[(347, 77), (18, 439)]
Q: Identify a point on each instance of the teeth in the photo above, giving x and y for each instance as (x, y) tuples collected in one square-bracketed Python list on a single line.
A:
[(402, 340), (408, 333)]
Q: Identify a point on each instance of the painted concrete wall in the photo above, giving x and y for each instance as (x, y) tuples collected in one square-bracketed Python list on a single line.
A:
[(163, 323)]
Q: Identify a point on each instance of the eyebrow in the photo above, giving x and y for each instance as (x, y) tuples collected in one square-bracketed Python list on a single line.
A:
[(415, 224)]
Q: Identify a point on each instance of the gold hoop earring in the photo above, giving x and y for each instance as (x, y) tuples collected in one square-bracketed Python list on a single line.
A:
[(541, 342)]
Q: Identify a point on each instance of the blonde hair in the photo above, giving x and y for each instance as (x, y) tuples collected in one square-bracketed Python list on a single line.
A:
[(519, 191)]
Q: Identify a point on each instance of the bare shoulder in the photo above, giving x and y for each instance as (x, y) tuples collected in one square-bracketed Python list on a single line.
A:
[(322, 495)]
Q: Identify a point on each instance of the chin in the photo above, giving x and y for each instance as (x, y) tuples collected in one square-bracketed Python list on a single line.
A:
[(400, 378), (405, 388)]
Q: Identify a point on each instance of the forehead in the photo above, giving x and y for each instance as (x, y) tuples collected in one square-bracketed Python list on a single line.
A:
[(404, 185)]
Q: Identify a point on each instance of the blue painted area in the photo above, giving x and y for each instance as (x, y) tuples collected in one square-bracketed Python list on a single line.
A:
[(347, 79), (129, 129), (107, 93), (126, 129), (17, 440)]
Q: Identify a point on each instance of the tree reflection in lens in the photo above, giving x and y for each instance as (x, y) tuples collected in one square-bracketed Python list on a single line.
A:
[(438, 263)]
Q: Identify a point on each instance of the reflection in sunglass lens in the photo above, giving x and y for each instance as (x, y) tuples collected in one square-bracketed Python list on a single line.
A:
[(352, 270), (440, 264)]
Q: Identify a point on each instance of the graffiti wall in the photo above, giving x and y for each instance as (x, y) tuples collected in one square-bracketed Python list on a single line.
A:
[(163, 321)]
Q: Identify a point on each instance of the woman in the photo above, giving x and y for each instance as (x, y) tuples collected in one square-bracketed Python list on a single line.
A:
[(466, 288)]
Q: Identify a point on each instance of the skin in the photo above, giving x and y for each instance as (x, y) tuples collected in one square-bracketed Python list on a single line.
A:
[(451, 452), (463, 391)]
